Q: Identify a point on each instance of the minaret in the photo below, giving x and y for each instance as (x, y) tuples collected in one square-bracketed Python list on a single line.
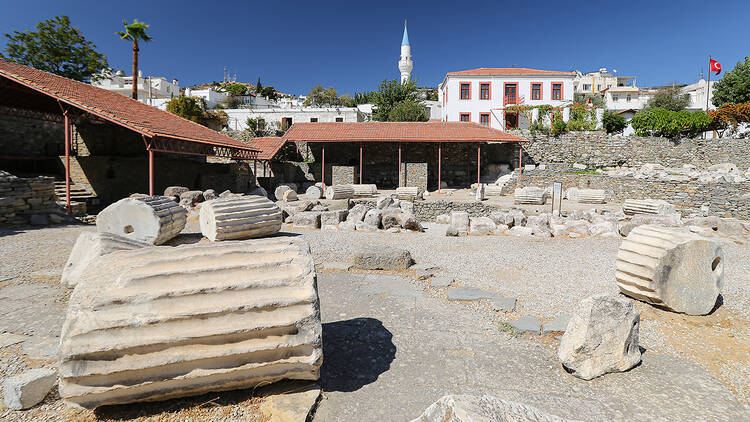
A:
[(405, 65)]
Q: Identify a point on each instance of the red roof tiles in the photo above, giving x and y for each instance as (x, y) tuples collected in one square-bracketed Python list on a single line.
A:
[(119, 109), (397, 132), (268, 146), (508, 71)]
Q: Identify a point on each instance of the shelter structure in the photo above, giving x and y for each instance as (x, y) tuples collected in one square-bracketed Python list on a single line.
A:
[(28, 93), (430, 155)]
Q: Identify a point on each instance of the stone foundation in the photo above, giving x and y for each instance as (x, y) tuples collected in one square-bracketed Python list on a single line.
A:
[(22, 197)]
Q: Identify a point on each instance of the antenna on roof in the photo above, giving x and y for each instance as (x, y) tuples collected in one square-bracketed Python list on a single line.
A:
[(513, 65)]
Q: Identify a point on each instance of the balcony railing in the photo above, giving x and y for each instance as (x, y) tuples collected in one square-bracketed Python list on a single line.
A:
[(510, 99)]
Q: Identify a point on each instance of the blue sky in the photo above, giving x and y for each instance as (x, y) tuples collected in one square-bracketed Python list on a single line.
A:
[(353, 45)]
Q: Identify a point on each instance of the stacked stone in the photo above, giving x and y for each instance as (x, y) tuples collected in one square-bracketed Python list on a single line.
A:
[(365, 190), (591, 196), (165, 322), (647, 206), (151, 219), (673, 269), (242, 217), (408, 193), (530, 195), (339, 192), (21, 197)]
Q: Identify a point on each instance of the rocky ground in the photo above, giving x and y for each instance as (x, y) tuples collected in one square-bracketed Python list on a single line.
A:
[(393, 344)]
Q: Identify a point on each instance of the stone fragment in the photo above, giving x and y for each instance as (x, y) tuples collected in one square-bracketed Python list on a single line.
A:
[(479, 192), (493, 190), (319, 208), (166, 322), (314, 192), (592, 196), (723, 168), (289, 196), (407, 221), (175, 191), (647, 206), (732, 227), (381, 257), (559, 324), (406, 206), (337, 266), (443, 219), (209, 194), (602, 228), (408, 193), (227, 193), (519, 218), (451, 231), (361, 226), (667, 220), (468, 294), (365, 190), (389, 218), (307, 219), (194, 196), (28, 389), (337, 204), (601, 337), (465, 408), (526, 324), (281, 405), (88, 247), (502, 217), (530, 195), (243, 217), (500, 229), (259, 191), (339, 192), (559, 229), (572, 194), (384, 202), (480, 226), (441, 281), (347, 226), (460, 221), (373, 217), (673, 269), (332, 217), (153, 219), (278, 193), (503, 304), (520, 231)]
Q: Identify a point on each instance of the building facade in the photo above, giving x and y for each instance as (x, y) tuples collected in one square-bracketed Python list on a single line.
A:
[(484, 95), (149, 88), (281, 118), (597, 82), (405, 64)]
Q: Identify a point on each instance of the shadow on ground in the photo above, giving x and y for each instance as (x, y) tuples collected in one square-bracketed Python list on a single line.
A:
[(356, 352)]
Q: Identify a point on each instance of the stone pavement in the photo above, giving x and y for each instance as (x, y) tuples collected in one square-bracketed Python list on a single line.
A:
[(392, 348)]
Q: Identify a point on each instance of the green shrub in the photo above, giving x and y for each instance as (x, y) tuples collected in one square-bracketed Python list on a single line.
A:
[(613, 122), (670, 124), (559, 126)]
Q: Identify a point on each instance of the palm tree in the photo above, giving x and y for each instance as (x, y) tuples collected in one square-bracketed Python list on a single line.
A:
[(135, 32)]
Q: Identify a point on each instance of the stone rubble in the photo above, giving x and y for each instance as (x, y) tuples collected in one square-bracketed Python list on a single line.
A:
[(465, 408), (26, 390)]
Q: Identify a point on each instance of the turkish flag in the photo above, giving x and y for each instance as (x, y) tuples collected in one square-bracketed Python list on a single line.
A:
[(715, 66)]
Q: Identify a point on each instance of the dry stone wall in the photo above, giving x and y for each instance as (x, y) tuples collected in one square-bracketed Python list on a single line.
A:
[(21, 197)]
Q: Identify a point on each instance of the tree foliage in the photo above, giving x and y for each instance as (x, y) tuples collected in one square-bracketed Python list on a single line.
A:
[(613, 122), (389, 94), (730, 116), (235, 89), (269, 92), (323, 97), (734, 87), (582, 118), (669, 123), (194, 109), (256, 126), (408, 111), (367, 97), (596, 99), (57, 48), (669, 98)]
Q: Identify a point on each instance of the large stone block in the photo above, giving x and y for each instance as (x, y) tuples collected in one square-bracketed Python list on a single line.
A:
[(592, 196), (307, 219), (408, 193), (314, 192), (601, 337), (460, 221), (88, 247), (647, 206), (365, 190), (673, 269), (465, 408), (243, 217), (339, 192), (28, 389), (376, 257), (165, 322), (373, 217), (151, 219), (332, 218), (530, 195)]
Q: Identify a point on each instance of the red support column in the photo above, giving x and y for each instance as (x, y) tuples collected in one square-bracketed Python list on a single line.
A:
[(255, 171), (520, 159), (67, 163), (440, 163), (479, 163), (399, 164), (323, 168), (150, 172), (360, 163)]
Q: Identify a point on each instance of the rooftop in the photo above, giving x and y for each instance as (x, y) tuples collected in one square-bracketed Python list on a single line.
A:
[(432, 131), (482, 71), (268, 146)]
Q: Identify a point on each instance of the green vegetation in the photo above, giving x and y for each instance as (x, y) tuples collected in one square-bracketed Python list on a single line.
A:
[(135, 32), (581, 118), (596, 99), (558, 125), (408, 111), (670, 124), (669, 98), (392, 94), (194, 109), (323, 97), (367, 97), (57, 48), (613, 122), (235, 89), (734, 87)]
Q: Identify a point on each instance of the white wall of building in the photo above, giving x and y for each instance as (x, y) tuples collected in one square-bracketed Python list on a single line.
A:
[(624, 98), (273, 117), (148, 88)]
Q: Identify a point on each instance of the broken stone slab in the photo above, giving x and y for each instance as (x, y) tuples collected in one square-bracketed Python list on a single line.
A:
[(672, 269), (289, 196), (333, 217), (465, 408), (559, 324), (530, 195), (209, 194), (243, 217), (357, 213), (407, 206), (502, 217), (365, 190), (408, 221), (572, 194), (668, 220), (166, 322), (493, 190), (152, 219), (443, 219), (373, 217), (480, 226), (347, 226), (337, 266), (384, 202), (28, 389), (361, 226), (307, 219), (647, 206), (460, 221), (408, 193), (339, 192), (520, 231), (441, 281), (601, 337), (468, 294), (390, 218), (314, 192), (526, 324), (192, 196), (381, 257), (336, 204), (175, 191), (602, 228), (592, 196), (287, 403), (503, 304), (90, 246), (278, 193)]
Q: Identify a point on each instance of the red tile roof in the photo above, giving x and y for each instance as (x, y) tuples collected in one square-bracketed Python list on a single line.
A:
[(397, 132), (114, 107), (268, 146), (508, 71)]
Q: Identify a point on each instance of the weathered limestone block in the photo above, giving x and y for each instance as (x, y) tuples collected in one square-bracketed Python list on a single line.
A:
[(191, 197), (332, 218), (159, 323), (175, 191), (479, 192), (373, 217), (279, 191), (493, 190), (460, 221), (365, 190), (244, 217), (209, 194), (381, 257), (408, 193), (339, 192), (390, 218), (152, 219), (601, 337), (647, 206), (357, 213), (88, 247), (480, 226), (673, 269), (530, 195), (26, 390), (289, 196), (592, 196), (466, 408), (307, 219), (314, 192)]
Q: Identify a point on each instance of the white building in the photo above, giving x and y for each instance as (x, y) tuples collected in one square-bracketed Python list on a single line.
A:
[(283, 117), (149, 89), (619, 98), (697, 92), (405, 65), (481, 95), (597, 82)]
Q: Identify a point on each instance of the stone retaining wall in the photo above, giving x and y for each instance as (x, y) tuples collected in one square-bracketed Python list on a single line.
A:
[(21, 197), (342, 175), (723, 199), (597, 149)]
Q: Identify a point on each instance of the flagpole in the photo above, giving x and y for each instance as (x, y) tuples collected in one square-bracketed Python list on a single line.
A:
[(708, 85)]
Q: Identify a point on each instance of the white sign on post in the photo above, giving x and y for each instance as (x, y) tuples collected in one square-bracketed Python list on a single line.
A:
[(556, 198)]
